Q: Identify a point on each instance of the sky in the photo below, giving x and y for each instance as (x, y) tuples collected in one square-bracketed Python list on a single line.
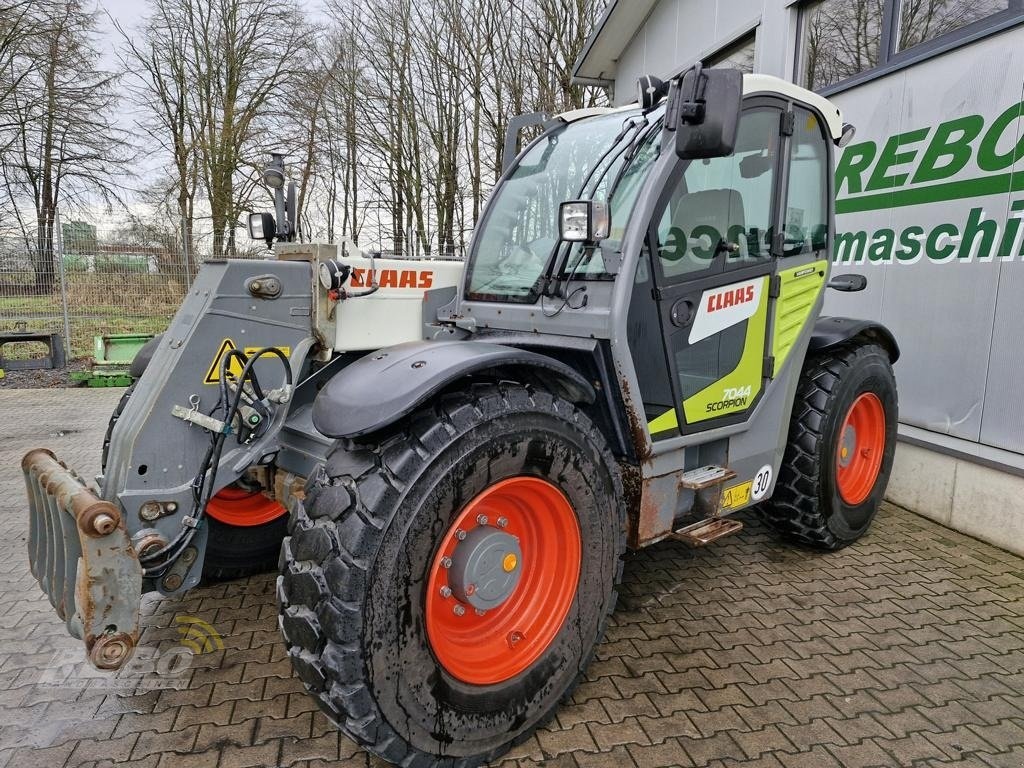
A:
[(127, 13)]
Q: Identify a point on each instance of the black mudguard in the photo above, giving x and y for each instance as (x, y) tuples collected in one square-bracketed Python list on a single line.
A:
[(832, 331), (144, 355), (384, 386)]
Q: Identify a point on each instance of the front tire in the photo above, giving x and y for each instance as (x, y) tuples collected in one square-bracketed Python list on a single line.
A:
[(368, 551), (841, 445)]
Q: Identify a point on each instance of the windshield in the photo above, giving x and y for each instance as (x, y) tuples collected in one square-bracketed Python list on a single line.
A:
[(604, 157)]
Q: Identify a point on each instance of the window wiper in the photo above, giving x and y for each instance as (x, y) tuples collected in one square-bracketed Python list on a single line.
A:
[(634, 149), (542, 161), (553, 264)]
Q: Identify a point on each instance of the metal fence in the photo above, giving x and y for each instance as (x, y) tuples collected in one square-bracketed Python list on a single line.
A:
[(89, 282), (86, 282)]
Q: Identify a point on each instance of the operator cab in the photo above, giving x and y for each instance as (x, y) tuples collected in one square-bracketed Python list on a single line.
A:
[(710, 209)]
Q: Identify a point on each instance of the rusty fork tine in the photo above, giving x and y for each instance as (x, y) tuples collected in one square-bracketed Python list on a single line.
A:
[(35, 520), (83, 558)]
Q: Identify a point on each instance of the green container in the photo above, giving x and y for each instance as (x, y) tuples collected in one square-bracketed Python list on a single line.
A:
[(118, 349)]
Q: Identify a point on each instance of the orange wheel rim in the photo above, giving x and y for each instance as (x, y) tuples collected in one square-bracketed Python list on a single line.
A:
[(239, 507), (861, 445), (529, 536)]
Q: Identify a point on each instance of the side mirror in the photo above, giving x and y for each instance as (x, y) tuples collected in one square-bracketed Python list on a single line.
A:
[(262, 227), (708, 107), (584, 221), (848, 283), (754, 166)]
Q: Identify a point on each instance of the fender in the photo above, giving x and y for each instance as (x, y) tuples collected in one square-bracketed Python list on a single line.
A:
[(144, 355), (832, 331), (381, 388)]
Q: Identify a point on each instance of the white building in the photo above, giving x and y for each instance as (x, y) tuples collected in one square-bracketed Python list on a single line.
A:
[(930, 196)]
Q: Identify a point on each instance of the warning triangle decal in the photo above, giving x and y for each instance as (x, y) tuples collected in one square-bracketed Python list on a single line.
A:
[(234, 367)]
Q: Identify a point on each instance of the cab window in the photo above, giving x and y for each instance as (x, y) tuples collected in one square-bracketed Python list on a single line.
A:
[(806, 217), (722, 205)]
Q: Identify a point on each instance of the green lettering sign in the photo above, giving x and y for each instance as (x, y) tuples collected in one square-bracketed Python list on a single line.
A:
[(989, 159), (891, 157), (855, 161), (951, 144)]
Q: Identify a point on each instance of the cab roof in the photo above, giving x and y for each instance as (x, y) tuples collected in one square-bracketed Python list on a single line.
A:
[(752, 84)]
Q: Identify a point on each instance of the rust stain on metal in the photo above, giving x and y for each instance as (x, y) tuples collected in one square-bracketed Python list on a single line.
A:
[(651, 526), (80, 554), (632, 487), (637, 427)]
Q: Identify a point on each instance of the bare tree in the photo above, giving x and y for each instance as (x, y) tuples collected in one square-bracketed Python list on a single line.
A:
[(19, 29), (158, 76), (65, 147), (214, 78), (414, 121)]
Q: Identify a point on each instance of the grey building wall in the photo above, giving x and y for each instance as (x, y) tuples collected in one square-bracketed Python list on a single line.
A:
[(678, 32)]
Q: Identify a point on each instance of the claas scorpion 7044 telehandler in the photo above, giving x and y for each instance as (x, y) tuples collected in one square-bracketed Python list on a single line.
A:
[(457, 456)]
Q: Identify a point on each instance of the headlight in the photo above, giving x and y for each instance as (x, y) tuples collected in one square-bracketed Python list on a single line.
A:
[(584, 221), (333, 274), (262, 226), (273, 177)]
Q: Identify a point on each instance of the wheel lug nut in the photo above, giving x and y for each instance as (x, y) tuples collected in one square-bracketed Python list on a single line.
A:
[(459, 610), (479, 612), (446, 562), (502, 522), (460, 534), (481, 519), (446, 591)]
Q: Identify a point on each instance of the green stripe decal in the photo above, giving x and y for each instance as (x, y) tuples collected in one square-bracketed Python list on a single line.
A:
[(996, 184)]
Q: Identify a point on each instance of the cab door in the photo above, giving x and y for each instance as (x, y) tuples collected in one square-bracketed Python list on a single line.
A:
[(711, 242)]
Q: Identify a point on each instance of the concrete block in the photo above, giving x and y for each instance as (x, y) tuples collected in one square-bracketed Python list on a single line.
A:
[(923, 481), (987, 505)]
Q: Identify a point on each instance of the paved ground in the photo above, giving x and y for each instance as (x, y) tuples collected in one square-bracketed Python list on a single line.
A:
[(905, 650)]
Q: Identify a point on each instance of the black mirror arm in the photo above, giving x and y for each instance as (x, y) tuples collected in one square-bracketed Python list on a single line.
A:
[(692, 111), (849, 283)]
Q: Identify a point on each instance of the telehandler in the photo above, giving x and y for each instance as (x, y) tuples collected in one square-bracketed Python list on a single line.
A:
[(633, 352)]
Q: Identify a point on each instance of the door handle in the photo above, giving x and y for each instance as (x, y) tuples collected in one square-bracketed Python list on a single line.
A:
[(682, 313)]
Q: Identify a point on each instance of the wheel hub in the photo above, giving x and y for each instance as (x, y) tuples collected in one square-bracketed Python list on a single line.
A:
[(503, 580), (485, 568), (237, 506), (860, 448), (847, 445)]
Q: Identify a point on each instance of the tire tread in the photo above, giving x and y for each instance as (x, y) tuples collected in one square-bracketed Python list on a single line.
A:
[(795, 509), (338, 658)]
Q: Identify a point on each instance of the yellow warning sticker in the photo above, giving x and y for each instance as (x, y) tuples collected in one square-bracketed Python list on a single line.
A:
[(737, 495), (235, 365)]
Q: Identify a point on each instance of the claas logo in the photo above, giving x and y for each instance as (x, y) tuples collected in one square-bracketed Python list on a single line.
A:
[(731, 298), (393, 278)]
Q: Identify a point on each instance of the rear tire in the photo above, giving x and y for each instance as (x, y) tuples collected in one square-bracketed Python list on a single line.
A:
[(375, 524), (236, 551), (232, 551), (816, 501)]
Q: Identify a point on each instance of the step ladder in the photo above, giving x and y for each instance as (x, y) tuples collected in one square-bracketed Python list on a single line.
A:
[(707, 531), (706, 483), (705, 477)]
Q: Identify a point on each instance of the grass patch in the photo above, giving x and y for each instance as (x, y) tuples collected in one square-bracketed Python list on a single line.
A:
[(98, 304)]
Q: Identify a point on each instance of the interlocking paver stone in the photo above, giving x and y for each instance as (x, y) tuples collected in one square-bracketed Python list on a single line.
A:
[(905, 650)]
